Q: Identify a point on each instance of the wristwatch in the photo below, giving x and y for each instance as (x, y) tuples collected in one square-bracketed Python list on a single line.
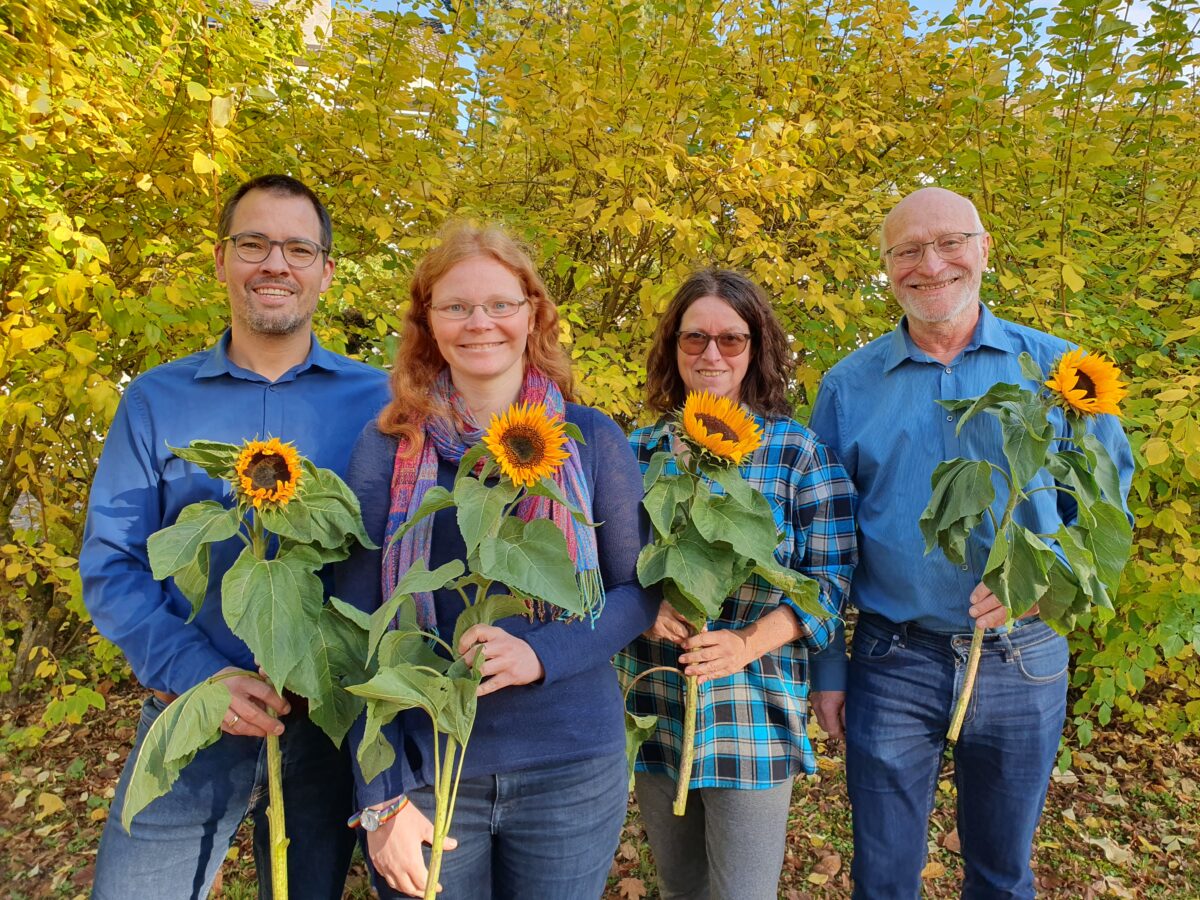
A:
[(370, 819)]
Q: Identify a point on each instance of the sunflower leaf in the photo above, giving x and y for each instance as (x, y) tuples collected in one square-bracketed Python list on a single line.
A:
[(273, 605), (531, 558), (700, 570), (410, 647), (1104, 469), (191, 722), (987, 402), (1104, 529), (638, 730), (417, 580), (731, 480), (469, 459), (192, 579), (1027, 434), (571, 430), (544, 487), (481, 508), (1030, 368), (802, 590), (176, 546), (215, 458), (750, 531), (962, 490), (332, 508), (1018, 569), (1070, 468), (487, 611), (436, 498), (337, 648), (663, 498), (654, 469)]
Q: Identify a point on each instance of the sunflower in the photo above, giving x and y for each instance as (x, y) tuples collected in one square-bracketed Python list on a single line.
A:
[(268, 472), (526, 443), (718, 428), (1087, 384)]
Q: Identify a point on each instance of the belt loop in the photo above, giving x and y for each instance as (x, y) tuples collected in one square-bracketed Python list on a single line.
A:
[(901, 639), (1006, 645)]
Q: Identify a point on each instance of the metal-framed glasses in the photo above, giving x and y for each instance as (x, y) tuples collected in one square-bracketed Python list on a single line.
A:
[(947, 246), (730, 343), (252, 247), (496, 308)]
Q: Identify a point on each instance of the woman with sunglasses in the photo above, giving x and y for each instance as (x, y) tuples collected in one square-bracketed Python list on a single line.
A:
[(544, 786), (720, 335)]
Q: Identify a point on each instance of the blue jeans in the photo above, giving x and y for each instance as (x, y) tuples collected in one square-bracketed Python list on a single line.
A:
[(549, 832), (903, 683), (179, 841)]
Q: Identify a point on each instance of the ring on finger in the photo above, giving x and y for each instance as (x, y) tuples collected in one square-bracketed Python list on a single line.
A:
[(236, 718)]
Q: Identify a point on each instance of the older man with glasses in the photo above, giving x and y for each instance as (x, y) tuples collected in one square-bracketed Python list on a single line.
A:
[(266, 376), (894, 698)]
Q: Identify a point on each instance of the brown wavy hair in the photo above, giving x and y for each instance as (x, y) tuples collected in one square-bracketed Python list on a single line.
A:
[(764, 389), (419, 362)]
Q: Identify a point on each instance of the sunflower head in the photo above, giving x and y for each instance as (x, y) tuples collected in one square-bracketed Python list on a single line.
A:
[(267, 472), (526, 443), (1086, 384), (718, 429)]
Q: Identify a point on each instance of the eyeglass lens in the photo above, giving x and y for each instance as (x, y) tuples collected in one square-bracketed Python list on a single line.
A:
[(947, 246), (254, 248), (694, 343), (494, 309)]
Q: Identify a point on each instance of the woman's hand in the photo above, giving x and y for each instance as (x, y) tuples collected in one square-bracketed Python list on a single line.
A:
[(396, 850), (669, 625), (715, 654), (507, 661)]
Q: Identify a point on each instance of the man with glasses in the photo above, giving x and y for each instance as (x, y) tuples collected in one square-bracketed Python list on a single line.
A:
[(894, 698), (266, 377)]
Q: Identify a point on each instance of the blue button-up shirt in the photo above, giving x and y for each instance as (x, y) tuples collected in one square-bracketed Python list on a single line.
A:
[(876, 410), (320, 405)]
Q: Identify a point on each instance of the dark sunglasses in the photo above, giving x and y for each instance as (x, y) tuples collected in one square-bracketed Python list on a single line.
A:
[(730, 343)]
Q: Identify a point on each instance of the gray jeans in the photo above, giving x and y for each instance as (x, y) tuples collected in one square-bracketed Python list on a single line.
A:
[(728, 846)]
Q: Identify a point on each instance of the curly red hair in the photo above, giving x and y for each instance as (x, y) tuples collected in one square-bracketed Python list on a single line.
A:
[(419, 362)]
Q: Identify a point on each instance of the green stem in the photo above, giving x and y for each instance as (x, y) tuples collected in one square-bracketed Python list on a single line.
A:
[(442, 812), (279, 840), (689, 744), (960, 709)]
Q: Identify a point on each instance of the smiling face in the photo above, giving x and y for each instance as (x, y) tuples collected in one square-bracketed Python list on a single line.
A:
[(479, 350), (272, 297), (710, 371), (936, 291)]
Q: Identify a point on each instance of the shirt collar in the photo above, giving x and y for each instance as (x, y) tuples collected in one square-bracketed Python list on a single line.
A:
[(988, 333), (218, 361)]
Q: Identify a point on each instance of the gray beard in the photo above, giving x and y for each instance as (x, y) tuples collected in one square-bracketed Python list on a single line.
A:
[(260, 324)]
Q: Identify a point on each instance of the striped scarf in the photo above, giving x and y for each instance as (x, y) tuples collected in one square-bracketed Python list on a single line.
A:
[(449, 438)]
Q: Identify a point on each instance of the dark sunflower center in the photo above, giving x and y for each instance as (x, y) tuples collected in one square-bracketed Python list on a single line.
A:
[(265, 470), (713, 425), (525, 445), (1086, 385)]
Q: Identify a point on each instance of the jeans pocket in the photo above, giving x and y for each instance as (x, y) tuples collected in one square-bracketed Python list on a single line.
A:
[(869, 648), (1043, 662)]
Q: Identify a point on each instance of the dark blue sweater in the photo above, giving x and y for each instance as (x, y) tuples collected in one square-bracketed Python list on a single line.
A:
[(576, 711)]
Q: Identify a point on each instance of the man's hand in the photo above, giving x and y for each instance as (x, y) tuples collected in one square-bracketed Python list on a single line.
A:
[(669, 625), (507, 661), (396, 850), (987, 610), (715, 654), (251, 698), (830, 710)]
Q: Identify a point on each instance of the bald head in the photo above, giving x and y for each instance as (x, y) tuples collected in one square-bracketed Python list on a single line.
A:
[(943, 209)]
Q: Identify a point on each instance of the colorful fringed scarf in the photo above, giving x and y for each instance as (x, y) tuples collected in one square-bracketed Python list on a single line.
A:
[(450, 438)]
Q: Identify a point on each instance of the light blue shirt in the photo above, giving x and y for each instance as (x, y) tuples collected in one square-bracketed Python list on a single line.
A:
[(876, 410), (140, 486)]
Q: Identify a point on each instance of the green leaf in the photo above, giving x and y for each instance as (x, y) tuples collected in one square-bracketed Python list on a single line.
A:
[(1017, 569), (413, 648), (469, 459), (961, 491), (684, 605), (654, 469), (273, 606), (1058, 606), (189, 724), (987, 402), (458, 715), (664, 496), (571, 430), (1083, 566), (1027, 434), (1030, 368), (701, 571), (1104, 469), (1072, 470), (544, 487), (436, 498), (293, 521), (486, 611), (803, 591), (336, 652), (192, 579), (638, 729), (215, 458), (729, 478), (1105, 531), (532, 559), (417, 580), (480, 509), (176, 546), (332, 508), (750, 531)]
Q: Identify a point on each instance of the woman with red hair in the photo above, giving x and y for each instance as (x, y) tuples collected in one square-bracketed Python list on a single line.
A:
[(544, 784)]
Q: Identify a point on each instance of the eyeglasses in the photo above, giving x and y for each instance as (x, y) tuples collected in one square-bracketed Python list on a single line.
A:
[(253, 247), (730, 343), (947, 246), (498, 308)]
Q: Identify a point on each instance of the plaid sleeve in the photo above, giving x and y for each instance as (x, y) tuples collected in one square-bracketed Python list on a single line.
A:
[(823, 511)]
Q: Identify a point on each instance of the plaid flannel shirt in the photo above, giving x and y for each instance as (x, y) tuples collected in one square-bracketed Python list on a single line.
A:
[(752, 726)]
